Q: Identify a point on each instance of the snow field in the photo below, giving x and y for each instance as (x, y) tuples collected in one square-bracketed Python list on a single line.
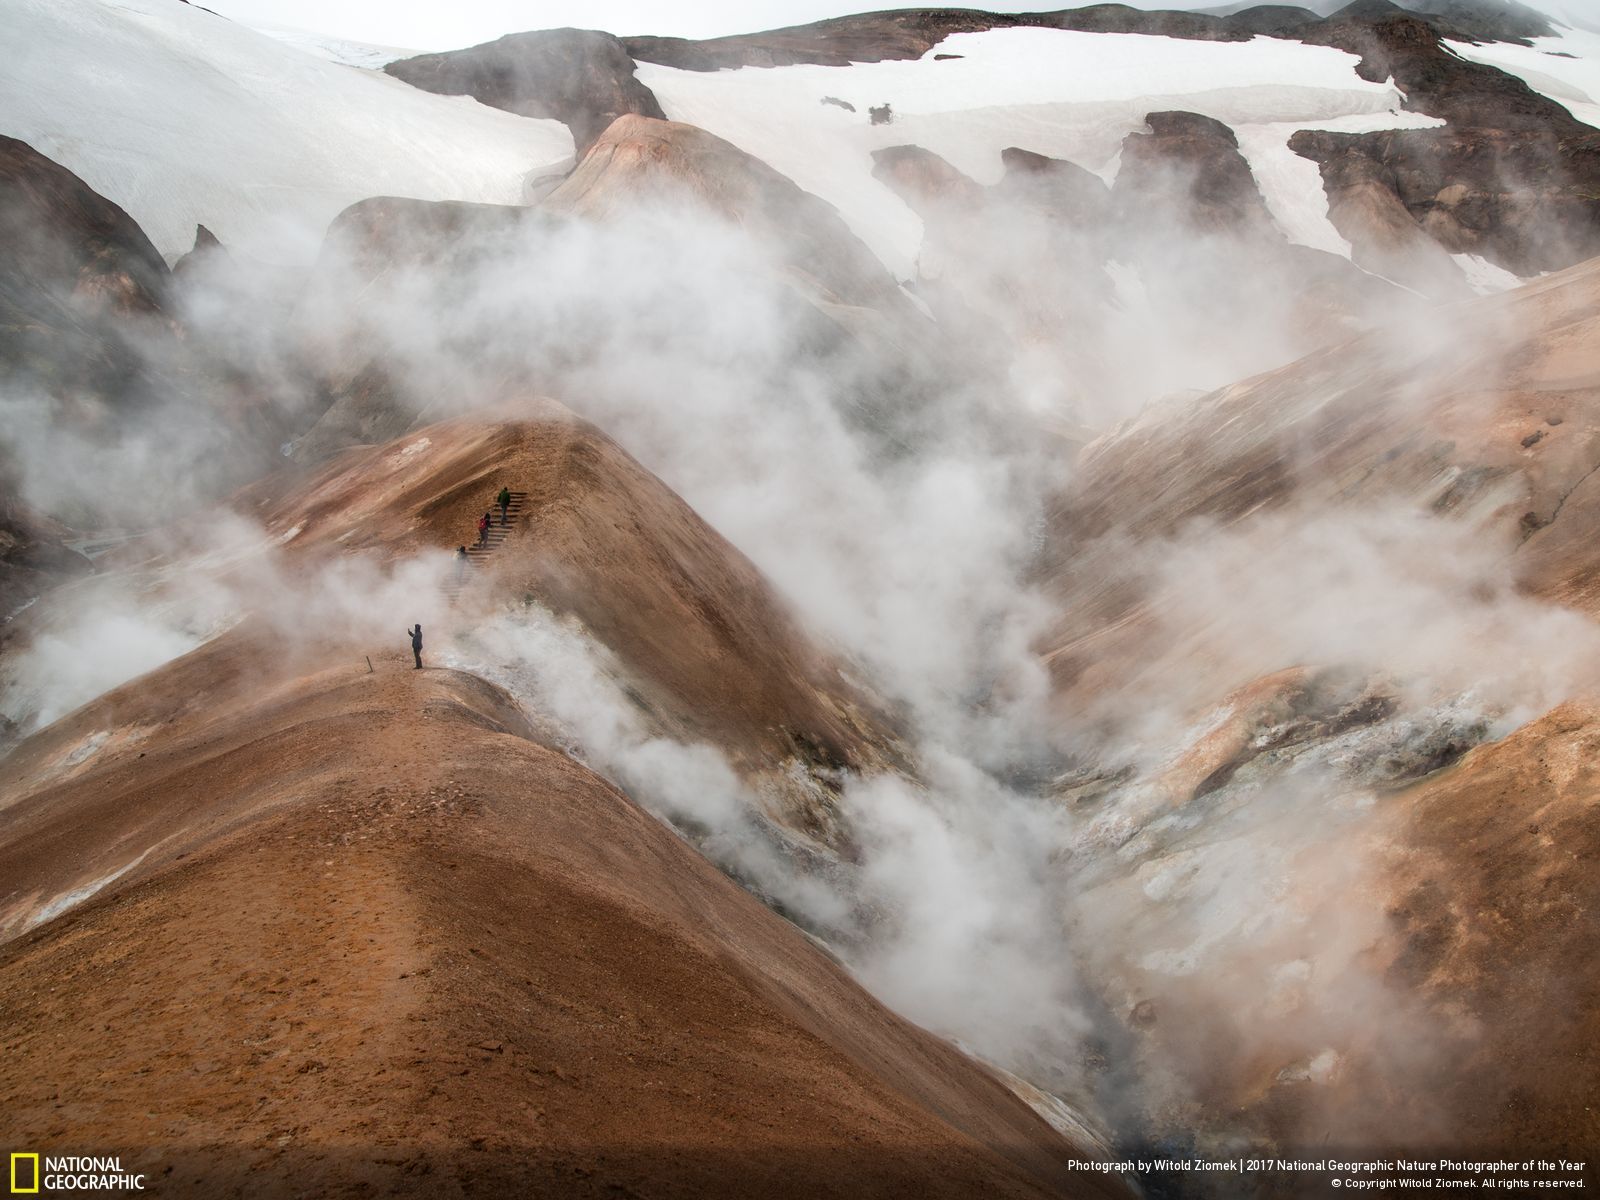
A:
[(1066, 94), (184, 118), (1573, 83)]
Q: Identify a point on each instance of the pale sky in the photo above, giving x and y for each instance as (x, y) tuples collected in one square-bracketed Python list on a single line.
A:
[(449, 24)]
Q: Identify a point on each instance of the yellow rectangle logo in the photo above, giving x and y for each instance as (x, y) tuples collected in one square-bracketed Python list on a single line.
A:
[(32, 1177)]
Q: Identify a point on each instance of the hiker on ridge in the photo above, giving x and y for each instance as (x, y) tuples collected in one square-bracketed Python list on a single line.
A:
[(504, 501), (416, 645)]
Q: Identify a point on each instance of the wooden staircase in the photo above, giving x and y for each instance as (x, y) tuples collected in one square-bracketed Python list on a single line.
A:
[(478, 555)]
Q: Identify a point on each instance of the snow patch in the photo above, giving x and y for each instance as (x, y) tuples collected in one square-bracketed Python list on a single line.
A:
[(1292, 185), (1484, 276), (184, 118), (1062, 93), (1573, 83), (339, 50)]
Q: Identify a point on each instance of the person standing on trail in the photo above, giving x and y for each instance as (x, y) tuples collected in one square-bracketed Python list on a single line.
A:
[(483, 529), (461, 563), (504, 501), (416, 645)]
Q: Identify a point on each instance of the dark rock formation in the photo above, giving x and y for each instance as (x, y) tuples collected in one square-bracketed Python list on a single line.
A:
[(1462, 20), (1512, 176), (33, 557), (1068, 192), (838, 42), (76, 276), (58, 234), (207, 249), (924, 180), (911, 33), (372, 236), (1190, 165), (1407, 48), (1017, 270), (1119, 18), (1520, 196), (1023, 268), (1186, 207), (96, 330), (1384, 237), (640, 158), (1525, 203), (580, 77)]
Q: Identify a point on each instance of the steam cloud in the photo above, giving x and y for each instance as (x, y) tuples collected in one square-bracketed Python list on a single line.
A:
[(1033, 882)]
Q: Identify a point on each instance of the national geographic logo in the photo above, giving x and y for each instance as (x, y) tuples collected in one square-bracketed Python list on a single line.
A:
[(32, 1174)]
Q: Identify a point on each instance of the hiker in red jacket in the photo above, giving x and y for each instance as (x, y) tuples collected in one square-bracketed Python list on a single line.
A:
[(483, 529)]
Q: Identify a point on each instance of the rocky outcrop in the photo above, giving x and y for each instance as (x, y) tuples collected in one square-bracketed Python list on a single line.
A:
[(924, 180), (1015, 271), (1483, 20), (1188, 167), (1408, 49), (391, 233), (206, 250), (1069, 192), (836, 42), (641, 159), (83, 309), (1526, 200), (836, 296), (77, 278), (580, 77), (1292, 569), (113, 358), (57, 235), (1495, 428), (1024, 268), (33, 556), (1512, 176), (911, 33), (1384, 237)]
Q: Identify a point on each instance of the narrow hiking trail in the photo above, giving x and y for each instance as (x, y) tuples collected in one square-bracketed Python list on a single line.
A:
[(478, 553)]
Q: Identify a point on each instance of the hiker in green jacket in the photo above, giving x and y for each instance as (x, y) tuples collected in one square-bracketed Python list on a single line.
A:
[(504, 501)]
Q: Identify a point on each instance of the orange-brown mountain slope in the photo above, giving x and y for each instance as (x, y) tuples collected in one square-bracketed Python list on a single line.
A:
[(369, 937), (1435, 891), (1489, 416), (711, 653)]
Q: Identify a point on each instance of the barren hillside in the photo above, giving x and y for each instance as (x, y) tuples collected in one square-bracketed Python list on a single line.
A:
[(370, 935)]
